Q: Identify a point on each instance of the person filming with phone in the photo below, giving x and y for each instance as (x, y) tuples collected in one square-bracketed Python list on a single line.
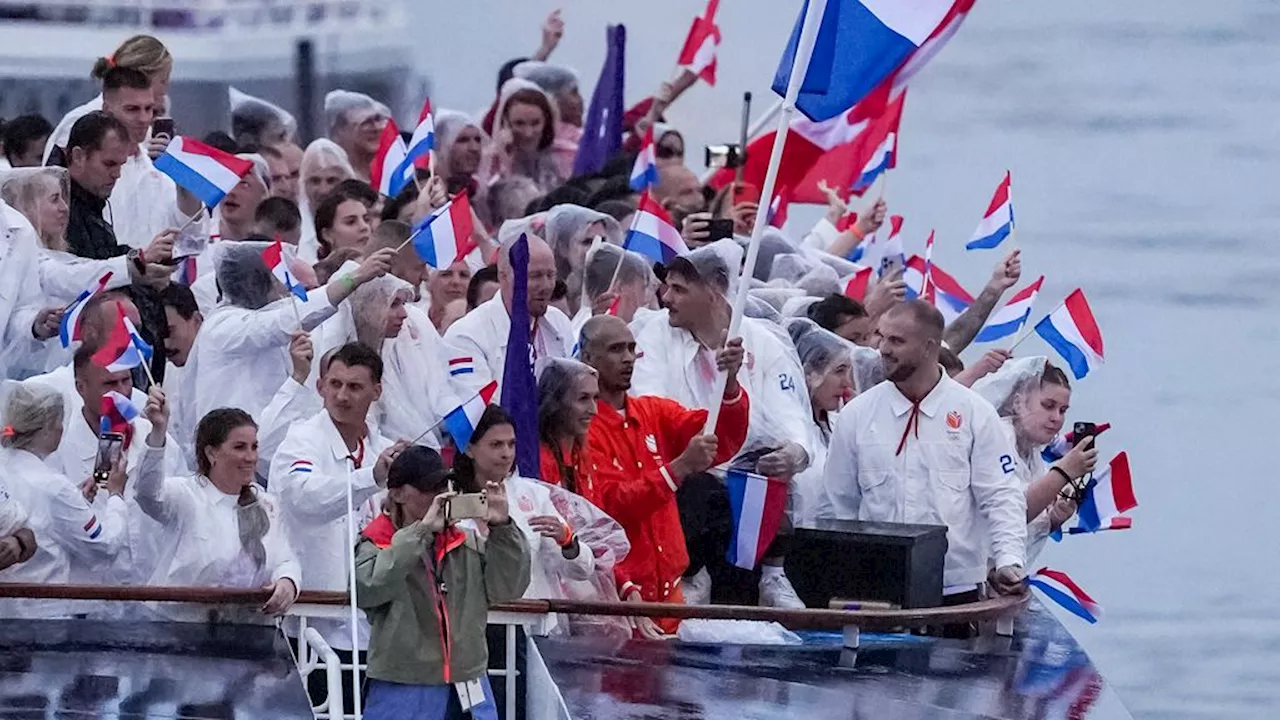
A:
[(426, 581)]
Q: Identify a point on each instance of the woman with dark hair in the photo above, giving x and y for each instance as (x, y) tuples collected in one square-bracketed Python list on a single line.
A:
[(342, 222), (567, 394), (219, 529), (426, 585), (523, 144)]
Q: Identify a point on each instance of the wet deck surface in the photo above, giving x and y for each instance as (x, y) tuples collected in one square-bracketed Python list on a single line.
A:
[(1041, 674), (84, 669)]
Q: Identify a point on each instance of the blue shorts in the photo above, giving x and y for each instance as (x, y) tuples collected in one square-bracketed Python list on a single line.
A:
[(393, 701)]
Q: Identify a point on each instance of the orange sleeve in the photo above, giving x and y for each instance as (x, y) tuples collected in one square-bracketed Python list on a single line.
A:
[(680, 425)]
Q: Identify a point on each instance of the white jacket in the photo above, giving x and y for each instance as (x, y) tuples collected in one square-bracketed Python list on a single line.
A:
[(310, 474), (241, 356), (144, 203), (548, 568), (62, 132), (1027, 472), (670, 362), (956, 469), (478, 344), (416, 393), (200, 534), (807, 486), (20, 296), (13, 517), (73, 539)]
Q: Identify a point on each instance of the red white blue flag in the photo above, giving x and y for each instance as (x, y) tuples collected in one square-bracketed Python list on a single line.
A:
[(69, 326), (1073, 333), (124, 349), (997, 224), (204, 171), (757, 505), (1063, 591)]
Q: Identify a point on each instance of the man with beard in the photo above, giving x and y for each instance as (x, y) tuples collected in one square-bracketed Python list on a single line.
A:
[(479, 339), (922, 448)]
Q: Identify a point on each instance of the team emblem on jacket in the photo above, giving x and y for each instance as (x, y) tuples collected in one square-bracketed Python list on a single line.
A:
[(954, 421), (526, 505), (651, 442)]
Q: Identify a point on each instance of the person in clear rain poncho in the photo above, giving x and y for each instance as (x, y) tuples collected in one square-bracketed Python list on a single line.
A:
[(617, 282), (827, 360), (256, 122), (460, 146), (355, 121), (572, 231), (324, 165), (561, 83)]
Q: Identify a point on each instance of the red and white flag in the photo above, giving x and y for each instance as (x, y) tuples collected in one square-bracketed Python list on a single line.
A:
[(698, 55)]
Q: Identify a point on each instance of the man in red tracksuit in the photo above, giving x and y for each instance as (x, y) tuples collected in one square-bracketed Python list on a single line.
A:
[(640, 449)]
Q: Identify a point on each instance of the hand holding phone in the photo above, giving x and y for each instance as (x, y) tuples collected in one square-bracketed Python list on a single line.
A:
[(110, 448), (466, 506)]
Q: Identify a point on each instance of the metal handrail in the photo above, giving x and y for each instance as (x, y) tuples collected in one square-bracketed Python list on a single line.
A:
[(870, 619)]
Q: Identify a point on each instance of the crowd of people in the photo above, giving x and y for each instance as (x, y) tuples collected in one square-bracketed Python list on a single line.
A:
[(290, 442)]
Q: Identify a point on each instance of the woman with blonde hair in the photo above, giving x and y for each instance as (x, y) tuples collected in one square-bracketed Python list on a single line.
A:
[(143, 53)]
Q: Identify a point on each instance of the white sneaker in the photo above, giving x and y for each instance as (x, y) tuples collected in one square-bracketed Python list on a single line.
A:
[(697, 589), (776, 592)]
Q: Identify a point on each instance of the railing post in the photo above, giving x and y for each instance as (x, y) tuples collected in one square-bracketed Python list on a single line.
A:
[(512, 671)]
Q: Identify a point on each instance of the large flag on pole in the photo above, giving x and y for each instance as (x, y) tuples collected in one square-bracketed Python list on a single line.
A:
[(698, 55), (602, 131), (519, 389), (859, 44)]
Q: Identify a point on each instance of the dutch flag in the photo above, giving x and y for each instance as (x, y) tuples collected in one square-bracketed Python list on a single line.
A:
[(1009, 319), (390, 172), (1063, 591), (1074, 334), (949, 296), (273, 256), (204, 171), (652, 233), (997, 224), (442, 242), (301, 467), (124, 349), (118, 409), (69, 326), (884, 155), (461, 366), (644, 174), (1107, 498), (461, 422), (423, 139), (93, 528), (757, 504)]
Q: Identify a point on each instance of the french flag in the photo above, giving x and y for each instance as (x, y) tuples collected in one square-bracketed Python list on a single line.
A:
[(859, 44), (822, 150), (997, 224), (461, 422), (1107, 498), (949, 296), (880, 145), (757, 504), (69, 326), (1009, 319), (778, 208), (124, 349), (701, 45), (390, 170), (1062, 444), (204, 171), (644, 174), (441, 242), (273, 256), (187, 271), (423, 140), (1074, 334), (1064, 592), (652, 233), (856, 286)]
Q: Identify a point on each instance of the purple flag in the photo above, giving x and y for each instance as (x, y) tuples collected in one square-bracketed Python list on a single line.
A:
[(602, 131), (519, 389)]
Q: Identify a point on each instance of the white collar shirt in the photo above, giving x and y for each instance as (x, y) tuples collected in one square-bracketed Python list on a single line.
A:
[(478, 344)]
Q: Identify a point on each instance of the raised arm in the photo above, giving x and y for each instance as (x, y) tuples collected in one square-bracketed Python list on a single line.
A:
[(961, 332)]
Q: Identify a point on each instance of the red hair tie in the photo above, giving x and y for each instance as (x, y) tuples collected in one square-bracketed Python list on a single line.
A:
[(8, 431), (111, 61)]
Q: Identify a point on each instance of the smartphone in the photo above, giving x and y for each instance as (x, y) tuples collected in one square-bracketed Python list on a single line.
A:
[(890, 265), (110, 445), (721, 229), (162, 126), (467, 506), (1082, 430)]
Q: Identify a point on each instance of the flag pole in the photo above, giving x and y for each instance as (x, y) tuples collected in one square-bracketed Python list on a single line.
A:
[(804, 51), (192, 219), (428, 430), (355, 612), (1029, 328)]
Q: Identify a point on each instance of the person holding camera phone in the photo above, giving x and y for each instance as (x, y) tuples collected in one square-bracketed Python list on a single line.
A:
[(426, 585)]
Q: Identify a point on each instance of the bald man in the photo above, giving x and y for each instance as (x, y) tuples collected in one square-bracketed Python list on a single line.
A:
[(479, 339), (924, 449)]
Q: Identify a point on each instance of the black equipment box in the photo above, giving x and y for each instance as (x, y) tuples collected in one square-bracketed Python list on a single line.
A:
[(856, 560)]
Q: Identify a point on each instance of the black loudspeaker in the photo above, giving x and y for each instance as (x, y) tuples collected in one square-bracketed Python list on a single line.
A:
[(854, 560)]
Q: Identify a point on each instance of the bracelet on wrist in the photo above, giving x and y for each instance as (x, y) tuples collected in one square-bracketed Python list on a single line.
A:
[(1065, 477)]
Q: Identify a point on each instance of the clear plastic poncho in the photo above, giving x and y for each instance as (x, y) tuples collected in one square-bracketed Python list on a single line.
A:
[(718, 265), (255, 121), (629, 274), (33, 192), (609, 546), (1009, 388), (243, 277), (570, 230), (773, 246), (450, 124), (819, 349), (868, 368), (798, 307), (552, 78), (352, 108)]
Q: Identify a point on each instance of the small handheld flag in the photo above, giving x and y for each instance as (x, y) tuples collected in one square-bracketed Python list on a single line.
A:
[(1073, 333), (117, 414), (390, 170), (69, 326), (444, 237), (927, 290), (884, 154), (652, 233), (644, 174), (701, 45), (778, 208), (856, 286), (461, 422), (124, 348), (1009, 319), (273, 256), (204, 171), (997, 224), (757, 505), (1063, 591), (1107, 498), (949, 296), (423, 140)]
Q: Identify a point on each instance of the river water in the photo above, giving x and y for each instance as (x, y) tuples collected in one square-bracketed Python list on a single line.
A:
[(1143, 144)]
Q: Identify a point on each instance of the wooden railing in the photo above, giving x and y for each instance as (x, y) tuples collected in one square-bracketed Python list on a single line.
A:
[(878, 619)]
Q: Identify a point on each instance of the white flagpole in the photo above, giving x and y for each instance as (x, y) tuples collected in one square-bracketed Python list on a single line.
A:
[(804, 50), (355, 612)]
